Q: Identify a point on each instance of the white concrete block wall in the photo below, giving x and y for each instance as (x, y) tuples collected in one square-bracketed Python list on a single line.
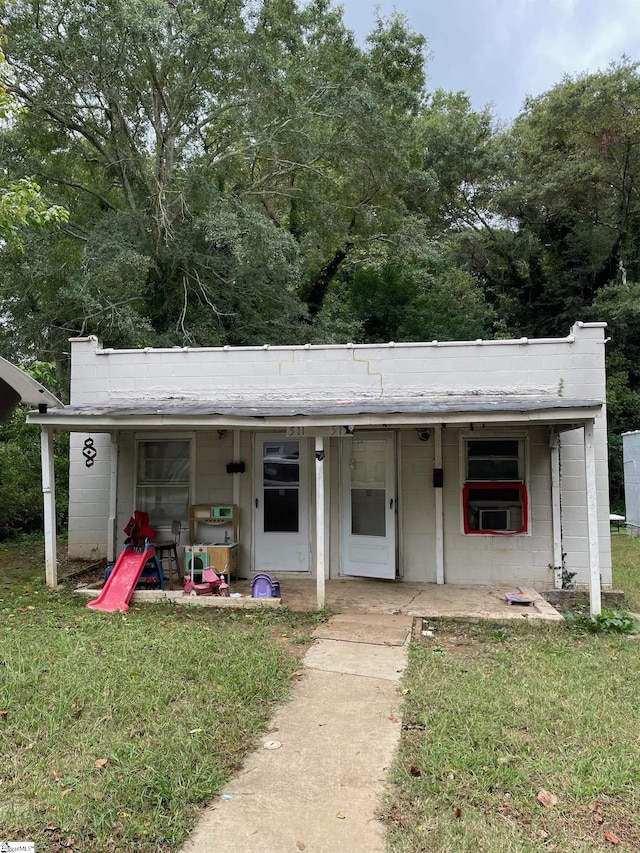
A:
[(125, 500), (491, 559), (417, 507), (571, 367), (89, 495), (574, 513), (212, 483), (468, 559)]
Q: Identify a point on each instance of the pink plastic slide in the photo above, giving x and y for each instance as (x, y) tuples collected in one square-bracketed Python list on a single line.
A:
[(122, 581)]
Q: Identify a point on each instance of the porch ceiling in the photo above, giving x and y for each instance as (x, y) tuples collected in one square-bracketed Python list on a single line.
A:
[(408, 411)]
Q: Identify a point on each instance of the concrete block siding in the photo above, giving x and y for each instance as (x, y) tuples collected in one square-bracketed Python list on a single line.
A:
[(89, 490), (572, 367)]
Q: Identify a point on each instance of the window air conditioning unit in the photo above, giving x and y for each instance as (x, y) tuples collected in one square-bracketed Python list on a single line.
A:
[(494, 519)]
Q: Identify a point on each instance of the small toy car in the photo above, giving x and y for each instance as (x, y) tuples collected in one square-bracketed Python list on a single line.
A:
[(212, 584)]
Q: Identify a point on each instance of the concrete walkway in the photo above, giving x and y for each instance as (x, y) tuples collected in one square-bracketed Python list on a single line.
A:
[(316, 779)]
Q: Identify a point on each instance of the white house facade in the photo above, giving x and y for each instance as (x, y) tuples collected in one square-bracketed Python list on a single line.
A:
[(460, 462)]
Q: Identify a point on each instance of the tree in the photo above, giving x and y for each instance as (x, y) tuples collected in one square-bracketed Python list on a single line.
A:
[(567, 210), (573, 193), (175, 121), (405, 303), (21, 201)]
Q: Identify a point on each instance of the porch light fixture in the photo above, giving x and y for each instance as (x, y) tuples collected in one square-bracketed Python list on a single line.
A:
[(42, 408), (349, 430), (320, 455), (424, 434)]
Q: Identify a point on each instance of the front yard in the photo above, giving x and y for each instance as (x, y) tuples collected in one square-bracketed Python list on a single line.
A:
[(496, 716), (115, 730)]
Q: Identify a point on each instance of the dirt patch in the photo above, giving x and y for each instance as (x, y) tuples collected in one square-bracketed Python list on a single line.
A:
[(459, 639), (582, 823), (80, 573)]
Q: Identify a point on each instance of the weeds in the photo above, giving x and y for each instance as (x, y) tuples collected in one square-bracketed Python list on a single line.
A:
[(607, 622)]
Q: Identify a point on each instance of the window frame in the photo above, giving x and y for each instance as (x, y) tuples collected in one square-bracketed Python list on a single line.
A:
[(155, 438), (519, 484)]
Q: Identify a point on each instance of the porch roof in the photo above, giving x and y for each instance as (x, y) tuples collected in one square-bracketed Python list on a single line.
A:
[(242, 413)]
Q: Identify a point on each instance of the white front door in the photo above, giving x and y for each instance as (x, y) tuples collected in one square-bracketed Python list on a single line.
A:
[(369, 505), (281, 514)]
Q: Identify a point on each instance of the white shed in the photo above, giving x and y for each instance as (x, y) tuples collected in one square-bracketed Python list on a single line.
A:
[(631, 463)]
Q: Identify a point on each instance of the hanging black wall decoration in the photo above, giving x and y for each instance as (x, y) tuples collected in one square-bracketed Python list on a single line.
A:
[(89, 452)]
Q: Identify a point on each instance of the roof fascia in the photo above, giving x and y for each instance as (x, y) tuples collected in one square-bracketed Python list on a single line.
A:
[(104, 423)]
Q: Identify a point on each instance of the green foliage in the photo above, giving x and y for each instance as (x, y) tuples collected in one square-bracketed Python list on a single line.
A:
[(22, 204), (21, 201), (246, 174), (625, 552), (404, 303), (464, 158), (21, 506), (606, 622), (222, 161)]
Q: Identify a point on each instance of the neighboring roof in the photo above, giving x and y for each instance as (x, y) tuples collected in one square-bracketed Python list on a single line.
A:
[(411, 410), (17, 387), (29, 389)]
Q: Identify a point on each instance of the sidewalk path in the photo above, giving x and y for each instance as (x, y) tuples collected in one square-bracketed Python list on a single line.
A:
[(318, 791)]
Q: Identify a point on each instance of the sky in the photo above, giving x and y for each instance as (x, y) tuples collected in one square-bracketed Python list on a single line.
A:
[(501, 51)]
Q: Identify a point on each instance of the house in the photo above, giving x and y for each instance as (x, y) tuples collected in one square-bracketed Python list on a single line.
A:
[(481, 462)]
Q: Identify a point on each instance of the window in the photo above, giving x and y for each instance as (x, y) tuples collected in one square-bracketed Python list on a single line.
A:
[(494, 496), (162, 485), (281, 486)]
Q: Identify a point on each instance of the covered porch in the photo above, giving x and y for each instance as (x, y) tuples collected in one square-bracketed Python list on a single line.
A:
[(325, 425)]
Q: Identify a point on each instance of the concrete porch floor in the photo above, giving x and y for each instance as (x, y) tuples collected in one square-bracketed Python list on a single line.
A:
[(363, 595)]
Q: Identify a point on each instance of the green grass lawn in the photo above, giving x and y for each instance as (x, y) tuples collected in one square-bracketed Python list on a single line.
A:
[(116, 729), (496, 714), (626, 567)]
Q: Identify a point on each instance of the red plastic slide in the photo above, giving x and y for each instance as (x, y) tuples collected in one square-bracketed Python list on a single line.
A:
[(122, 581)]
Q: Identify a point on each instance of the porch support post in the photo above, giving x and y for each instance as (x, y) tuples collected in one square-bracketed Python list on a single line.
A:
[(49, 502), (113, 499), (236, 477), (556, 518), (320, 558), (439, 519), (595, 599)]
